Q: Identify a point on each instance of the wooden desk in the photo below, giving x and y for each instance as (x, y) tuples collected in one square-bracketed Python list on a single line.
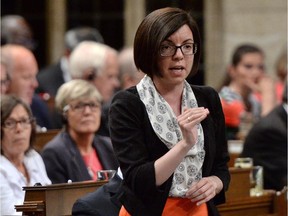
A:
[(55, 199), (58, 199), (248, 206), (240, 183), (238, 199)]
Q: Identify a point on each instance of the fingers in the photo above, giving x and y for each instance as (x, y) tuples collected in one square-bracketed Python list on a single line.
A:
[(263, 83), (193, 116), (202, 191), (188, 122)]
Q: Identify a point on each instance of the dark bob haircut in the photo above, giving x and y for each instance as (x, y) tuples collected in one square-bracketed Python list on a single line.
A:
[(153, 30), (242, 50), (8, 103)]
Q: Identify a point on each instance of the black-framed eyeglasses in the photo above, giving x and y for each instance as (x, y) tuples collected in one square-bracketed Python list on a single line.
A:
[(80, 107), (170, 50), (24, 122)]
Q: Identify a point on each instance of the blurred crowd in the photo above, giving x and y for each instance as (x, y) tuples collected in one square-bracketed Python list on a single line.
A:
[(74, 96)]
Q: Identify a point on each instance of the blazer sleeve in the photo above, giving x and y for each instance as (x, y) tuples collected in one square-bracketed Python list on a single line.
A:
[(217, 156), (222, 154), (82, 208), (54, 165), (128, 130)]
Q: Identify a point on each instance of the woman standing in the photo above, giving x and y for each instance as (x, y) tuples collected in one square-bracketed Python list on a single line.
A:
[(21, 165), (169, 136)]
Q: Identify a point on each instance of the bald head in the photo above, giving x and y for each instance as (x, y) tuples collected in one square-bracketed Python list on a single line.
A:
[(22, 69)]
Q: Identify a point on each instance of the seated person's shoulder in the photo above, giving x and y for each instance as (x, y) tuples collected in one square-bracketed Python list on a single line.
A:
[(101, 202)]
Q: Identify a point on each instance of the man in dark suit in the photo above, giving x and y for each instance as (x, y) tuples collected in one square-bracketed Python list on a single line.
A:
[(266, 143), (52, 77), (101, 202)]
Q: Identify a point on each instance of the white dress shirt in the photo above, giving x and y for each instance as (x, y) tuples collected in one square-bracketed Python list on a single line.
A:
[(12, 181)]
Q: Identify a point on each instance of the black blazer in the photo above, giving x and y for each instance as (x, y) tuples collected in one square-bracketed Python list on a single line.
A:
[(137, 147), (40, 111), (102, 202), (63, 160), (266, 143), (50, 79)]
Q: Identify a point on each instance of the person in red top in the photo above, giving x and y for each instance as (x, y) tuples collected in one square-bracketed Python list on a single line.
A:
[(281, 71), (248, 92), (76, 153)]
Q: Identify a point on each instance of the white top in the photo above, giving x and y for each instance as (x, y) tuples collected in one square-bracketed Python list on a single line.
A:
[(12, 181), (65, 68)]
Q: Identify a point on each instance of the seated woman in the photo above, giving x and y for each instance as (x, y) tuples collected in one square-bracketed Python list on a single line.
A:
[(21, 165), (76, 153), (247, 92)]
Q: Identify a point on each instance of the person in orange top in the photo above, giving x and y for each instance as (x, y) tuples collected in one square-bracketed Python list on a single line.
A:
[(246, 83), (168, 135), (281, 71)]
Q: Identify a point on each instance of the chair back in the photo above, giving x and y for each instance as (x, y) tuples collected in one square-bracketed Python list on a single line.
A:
[(42, 138)]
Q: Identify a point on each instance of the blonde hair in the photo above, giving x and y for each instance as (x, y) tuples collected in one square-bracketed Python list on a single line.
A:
[(74, 90)]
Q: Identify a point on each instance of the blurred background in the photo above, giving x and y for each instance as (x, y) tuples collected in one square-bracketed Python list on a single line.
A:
[(224, 24)]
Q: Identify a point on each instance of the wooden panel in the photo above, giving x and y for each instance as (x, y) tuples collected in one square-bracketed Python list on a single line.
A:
[(42, 138), (280, 203), (58, 199), (238, 199), (240, 184), (55, 199), (248, 206)]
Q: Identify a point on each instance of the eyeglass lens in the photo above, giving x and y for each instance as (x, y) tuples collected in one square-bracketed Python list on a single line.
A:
[(81, 106), (170, 50), (11, 123)]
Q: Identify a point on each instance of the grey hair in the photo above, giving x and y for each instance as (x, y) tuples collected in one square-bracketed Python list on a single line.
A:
[(74, 90), (87, 55), (126, 62), (76, 35)]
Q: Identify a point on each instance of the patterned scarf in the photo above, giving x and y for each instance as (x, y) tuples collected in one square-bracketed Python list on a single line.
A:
[(165, 125)]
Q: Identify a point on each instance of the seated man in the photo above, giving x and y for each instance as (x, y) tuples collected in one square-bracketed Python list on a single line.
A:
[(101, 202), (266, 143), (22, 69)]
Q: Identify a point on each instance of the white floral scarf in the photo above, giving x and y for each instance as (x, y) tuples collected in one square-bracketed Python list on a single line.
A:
[(165, 125)]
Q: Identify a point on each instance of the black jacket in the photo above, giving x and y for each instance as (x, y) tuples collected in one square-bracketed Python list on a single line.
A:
[(50, 79), (266, 143), (63, 160), (137, 147), (102, 202)]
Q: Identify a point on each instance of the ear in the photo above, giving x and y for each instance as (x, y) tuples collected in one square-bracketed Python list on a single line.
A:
[(65, 114)]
